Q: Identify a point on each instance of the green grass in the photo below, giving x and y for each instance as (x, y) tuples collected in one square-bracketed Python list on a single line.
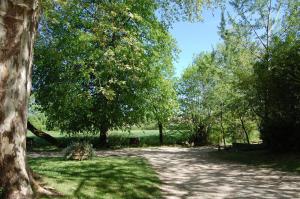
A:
[(280, 161), (105, 178), (147, 137), (116, 139)]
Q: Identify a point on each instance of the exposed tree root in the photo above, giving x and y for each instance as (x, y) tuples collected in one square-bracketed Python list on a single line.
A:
[(39, 188)]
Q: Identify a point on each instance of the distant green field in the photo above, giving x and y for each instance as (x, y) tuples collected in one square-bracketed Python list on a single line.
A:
[(116, 139), (99, 178)]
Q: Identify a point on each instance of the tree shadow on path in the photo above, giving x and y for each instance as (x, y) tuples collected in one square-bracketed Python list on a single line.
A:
[(194, 173)]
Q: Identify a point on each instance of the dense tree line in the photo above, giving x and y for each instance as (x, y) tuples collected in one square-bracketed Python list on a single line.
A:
[(250, 82), (278, 94)]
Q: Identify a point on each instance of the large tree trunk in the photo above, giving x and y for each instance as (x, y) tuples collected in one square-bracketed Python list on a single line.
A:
[(43, 135), (103, 141), (18, 23), (160, 127)]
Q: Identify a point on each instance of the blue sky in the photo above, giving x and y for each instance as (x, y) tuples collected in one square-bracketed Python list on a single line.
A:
[(193, 38)]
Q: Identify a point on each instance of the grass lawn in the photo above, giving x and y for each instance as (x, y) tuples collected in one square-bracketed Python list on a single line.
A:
[(147, 137), (105, 178), (116, 139), (280, 161)]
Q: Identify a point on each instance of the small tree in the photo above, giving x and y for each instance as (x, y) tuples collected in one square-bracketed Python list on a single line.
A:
[(195, 91), (162, 103)]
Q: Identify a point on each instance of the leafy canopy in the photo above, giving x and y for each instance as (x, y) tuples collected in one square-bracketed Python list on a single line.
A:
[(96, 61)]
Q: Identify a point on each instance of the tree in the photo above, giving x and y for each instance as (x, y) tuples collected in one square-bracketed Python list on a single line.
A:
[(162, 103), (99, 78), (195, 91), (214, 91), (43, 135), (17, 33), (279, 76), (237, 56), (265, 23)]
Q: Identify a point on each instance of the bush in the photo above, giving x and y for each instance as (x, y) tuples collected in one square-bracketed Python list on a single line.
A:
[(79, 151)]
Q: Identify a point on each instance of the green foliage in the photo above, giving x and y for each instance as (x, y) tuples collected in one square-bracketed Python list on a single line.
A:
[(195, 89), (212, 96), (278, 91), (162, 100), (260, 20), (105, 178), (79, 151), (117, 139), (97, 61), (273, 26), (185, 10), (108, 65), (251, 80), (35, 114)]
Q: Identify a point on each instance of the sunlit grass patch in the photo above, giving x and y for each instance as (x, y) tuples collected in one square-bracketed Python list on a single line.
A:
[(105, 178)]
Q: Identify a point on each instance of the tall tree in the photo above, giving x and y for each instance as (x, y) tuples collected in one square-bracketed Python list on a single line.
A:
[(279, 76), (195, 91), (99, 79), (163, 103), (266, 22), (17, 34)]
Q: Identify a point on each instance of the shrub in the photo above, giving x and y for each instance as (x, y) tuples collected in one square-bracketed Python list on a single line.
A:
[(79, 151)]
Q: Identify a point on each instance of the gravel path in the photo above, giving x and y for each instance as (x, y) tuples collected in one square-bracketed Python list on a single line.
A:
[(189, 173)]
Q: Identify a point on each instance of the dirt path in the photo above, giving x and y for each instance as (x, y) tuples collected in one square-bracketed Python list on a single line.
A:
[(188, 173)]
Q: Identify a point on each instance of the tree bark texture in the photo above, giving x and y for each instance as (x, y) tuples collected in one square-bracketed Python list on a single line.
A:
[(18, 24)]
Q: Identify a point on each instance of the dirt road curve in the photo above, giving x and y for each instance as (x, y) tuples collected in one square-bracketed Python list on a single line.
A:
[(189, 173)]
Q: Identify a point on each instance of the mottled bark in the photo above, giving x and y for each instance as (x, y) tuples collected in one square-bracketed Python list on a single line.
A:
[(18, 22)]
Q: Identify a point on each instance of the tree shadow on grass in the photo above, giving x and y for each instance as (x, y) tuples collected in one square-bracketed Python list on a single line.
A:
[(99, 178)]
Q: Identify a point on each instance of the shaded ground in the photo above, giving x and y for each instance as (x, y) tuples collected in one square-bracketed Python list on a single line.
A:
[(194, 173)]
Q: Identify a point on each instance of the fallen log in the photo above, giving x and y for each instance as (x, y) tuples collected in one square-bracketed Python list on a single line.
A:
[(43, 135)]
